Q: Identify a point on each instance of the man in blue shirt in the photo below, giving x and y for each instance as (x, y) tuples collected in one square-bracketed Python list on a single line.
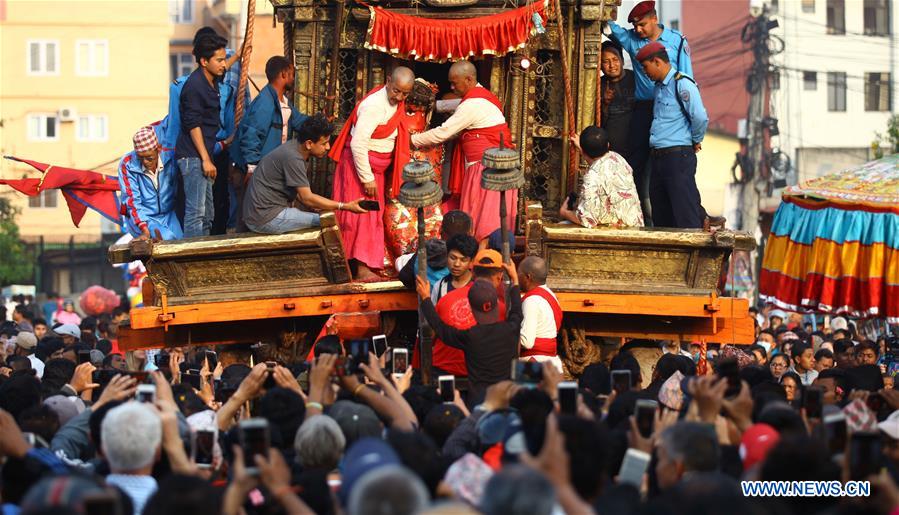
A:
[(646, 30), (200, 109), (678, 128), (147, 184)]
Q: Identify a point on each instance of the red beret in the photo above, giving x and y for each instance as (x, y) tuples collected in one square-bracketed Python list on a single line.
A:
[(650, 49), (640, 10)]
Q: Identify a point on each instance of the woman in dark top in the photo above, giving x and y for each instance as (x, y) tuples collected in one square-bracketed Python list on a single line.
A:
[(617, 97)]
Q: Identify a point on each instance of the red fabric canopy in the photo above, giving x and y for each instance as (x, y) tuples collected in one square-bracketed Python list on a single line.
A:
[(82, 189), (440, 40)]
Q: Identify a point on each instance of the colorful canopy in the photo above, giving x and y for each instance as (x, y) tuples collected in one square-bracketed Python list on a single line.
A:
[(440, 40), (834, 244)]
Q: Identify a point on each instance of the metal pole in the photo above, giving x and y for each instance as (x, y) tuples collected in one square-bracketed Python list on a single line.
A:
[(425, 333), (507, 253)]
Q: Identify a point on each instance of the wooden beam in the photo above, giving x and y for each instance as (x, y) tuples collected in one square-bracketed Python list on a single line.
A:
[(657, 305), (725, 330)]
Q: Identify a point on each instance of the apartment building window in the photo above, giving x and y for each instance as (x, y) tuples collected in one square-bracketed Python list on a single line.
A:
[(43, 127), (45, 199), (836, 16), (836, 91), (92, 57), (808, 6), (877, 91), (43, 57), (181, 64), (810, 81), (182, 11), (93, 127), (877, 17)]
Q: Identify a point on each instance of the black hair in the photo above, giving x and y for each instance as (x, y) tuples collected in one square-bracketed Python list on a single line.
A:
[(206, 46), (104, 346), (441, 421), (483, 272), (420, 455), (25, 311), (668, 364), (533, 406), (867, 344), (627, 361), (285, 411), (597, 379), (611, 45), (274, 66), (822, 354), (455, 222), (798, 348), (586, 443), (755, 374), (594, 141), (314, 129), (203, 32), (838, 375), (841, 345), (463, 244), (88, 323), (422, 400), (328, 344), (40, 420), (57, 372), (47, 346), (39, 321), (95, 422)]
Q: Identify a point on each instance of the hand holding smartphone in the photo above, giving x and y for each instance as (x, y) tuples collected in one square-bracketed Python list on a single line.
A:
[(646, 416), (255, 440), (447, 386), (621, 381), (567, 391), (400, 361)]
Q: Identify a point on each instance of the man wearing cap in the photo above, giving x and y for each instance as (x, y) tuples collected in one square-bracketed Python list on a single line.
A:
[(679, 123), (491, 345), (646, 30), (454, 309), (542, 314), (25, 345), (70, 333), (147, 184)]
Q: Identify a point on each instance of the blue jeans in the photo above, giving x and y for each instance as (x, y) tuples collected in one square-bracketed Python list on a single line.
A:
[(198, 206), (288, 220)]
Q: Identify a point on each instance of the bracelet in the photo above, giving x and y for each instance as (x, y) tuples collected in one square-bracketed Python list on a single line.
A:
[(340, 206), (358, 389), (316, 405)]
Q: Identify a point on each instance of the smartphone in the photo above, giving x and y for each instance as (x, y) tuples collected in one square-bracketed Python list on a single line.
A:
[(213, 360), (359, 351), (812, 401), (645, 414), (400, 361), (270, 378), (162, 359), (379, 344), (567, 391), (572, 201), (730, 370), (192, 380), (447, 388), (255, 440), (102, 503), (146, 393), (864, 455), (202, 448), (621, 381), (527, 372), (84, 356), (370, 205), (835, 431), (633, 467), (103, 376), (30, 438)]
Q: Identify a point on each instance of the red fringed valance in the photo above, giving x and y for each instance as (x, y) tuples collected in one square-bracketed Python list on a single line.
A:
[(429, 39)]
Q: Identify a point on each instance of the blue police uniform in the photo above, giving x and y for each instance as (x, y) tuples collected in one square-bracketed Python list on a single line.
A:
[(148, 203), (641, 119), (679, 121)]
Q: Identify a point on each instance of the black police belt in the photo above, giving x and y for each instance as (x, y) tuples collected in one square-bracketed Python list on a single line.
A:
[(670, 150)]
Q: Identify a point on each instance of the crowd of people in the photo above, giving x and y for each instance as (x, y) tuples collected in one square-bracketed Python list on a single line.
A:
[(195, 174), (96, 431)]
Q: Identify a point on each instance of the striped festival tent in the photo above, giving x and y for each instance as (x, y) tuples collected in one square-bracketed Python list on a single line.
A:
[(834, 244)]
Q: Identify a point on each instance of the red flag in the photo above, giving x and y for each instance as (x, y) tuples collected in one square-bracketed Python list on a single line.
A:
[(82, 189)]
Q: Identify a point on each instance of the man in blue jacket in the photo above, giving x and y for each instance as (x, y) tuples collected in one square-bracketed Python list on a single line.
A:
[(147, 183), (268, 122)]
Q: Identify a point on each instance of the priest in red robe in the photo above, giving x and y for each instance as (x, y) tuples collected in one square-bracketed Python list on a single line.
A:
[(372, 144), (542, 314), (479, 123)]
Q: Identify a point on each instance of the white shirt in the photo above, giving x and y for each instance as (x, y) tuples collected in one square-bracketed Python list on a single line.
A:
[(37, 365), (138, 488), (372, 112), (154, 177), (285, 118), (539, 320), (474, 113)]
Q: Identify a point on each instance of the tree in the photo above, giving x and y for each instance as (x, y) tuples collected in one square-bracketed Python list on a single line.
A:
[(887, 143), (15, 265)]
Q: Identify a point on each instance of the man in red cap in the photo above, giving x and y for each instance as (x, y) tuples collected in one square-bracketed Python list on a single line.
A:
[(147, 184), (679, 122), (646, 30)]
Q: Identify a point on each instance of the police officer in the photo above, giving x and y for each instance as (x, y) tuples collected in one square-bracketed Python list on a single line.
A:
[(679, 123), (646, 30)]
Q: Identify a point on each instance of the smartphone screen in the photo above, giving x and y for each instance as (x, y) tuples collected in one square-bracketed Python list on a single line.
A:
[(254, 440), (864, 455), (270, 378), (146, 393), (568, 397), (447, 388), (527, 372), (645, 414), (204, 442), (400, 361), (730, 370), (621, 381), (84, 356), (812, 402), (213, 360), (359, 350), (379, 344), (633, 467), (192, 380)]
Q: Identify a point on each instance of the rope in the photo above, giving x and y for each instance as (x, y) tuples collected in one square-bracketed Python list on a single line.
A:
[(245, 62), (573, 162)]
